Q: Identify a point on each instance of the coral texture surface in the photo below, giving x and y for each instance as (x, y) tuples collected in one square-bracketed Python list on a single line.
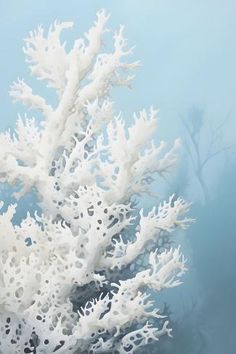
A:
[(79, 275)]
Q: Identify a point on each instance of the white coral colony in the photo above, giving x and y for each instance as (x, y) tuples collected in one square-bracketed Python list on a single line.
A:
[(77, 287)]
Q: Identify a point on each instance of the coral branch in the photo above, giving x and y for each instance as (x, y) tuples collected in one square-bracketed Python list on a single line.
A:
[(22, 92), (70, 281)]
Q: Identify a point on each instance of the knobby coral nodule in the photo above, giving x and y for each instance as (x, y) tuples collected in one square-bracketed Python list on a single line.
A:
[(81, 283)]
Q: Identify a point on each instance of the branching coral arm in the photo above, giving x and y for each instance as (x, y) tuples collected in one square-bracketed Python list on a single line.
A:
[(20, 91), (166, 218)]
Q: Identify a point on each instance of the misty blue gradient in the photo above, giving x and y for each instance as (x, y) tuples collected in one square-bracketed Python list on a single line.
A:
[(188, 54)]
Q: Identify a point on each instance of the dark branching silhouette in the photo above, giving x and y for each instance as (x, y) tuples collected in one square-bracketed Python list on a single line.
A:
[(199, 152)]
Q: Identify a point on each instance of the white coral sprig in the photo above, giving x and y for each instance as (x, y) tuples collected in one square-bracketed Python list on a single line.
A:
[(66, 282)]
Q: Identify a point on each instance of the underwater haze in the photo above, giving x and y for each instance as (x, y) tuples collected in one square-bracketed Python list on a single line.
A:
[(188, 54)]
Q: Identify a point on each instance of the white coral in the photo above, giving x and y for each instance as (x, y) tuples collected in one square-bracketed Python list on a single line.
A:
[(85, 165)]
